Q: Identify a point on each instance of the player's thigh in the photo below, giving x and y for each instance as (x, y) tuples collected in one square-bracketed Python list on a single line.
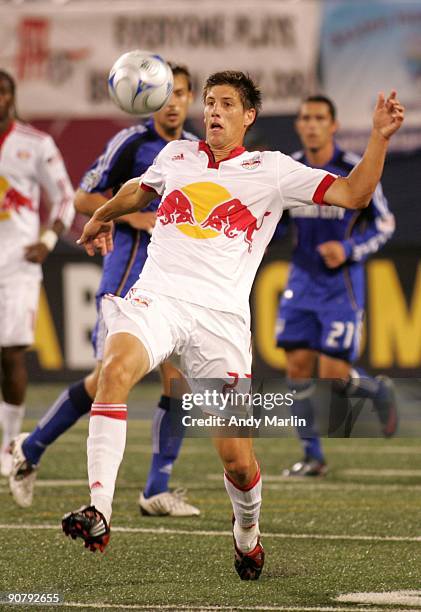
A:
[(18, 309), (341, 334), (331, 367), (301, 363), (173, 381), (126, 359), (91, 380), (297, 328)]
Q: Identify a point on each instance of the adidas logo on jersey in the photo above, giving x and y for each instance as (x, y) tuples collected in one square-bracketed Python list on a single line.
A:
[(178, 157)]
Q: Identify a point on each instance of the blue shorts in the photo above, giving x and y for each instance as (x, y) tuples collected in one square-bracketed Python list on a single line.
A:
[(333, 333)]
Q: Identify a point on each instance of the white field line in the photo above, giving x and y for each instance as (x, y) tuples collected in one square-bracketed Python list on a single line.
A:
[(386, 598), (176, 607), (278, 481), (213, 533), (386, 473), (275, 483)]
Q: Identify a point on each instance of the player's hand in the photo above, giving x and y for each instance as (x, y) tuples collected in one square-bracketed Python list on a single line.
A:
[(36, 253), (97, 236), (141, 220), (333, 253), (388, 114)]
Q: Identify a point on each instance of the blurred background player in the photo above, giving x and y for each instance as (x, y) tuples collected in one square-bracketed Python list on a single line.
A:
[(29, 161), (322, 307), (127, 155)]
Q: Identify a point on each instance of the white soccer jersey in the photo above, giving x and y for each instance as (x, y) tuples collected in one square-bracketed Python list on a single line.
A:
[(216, 219), (29, 161)]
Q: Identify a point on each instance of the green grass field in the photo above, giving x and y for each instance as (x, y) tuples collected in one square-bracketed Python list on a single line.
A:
[(355, 531)]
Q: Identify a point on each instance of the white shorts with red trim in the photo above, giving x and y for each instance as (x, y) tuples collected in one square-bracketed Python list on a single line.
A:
[(212, 344), (19, 298)]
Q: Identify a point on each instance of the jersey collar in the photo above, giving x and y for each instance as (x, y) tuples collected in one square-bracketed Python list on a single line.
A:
[(6, 133), (212, 163)]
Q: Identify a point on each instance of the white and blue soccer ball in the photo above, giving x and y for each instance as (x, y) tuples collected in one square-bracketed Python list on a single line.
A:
[(140, 82)]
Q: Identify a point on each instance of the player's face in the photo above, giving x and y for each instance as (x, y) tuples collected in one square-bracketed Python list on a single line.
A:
[(226, 119), (315, 125), (6, 99), (174, 114)]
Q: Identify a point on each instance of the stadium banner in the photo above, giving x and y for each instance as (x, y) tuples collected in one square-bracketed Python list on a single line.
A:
[(391, 339), (61, 55), (367, 47)]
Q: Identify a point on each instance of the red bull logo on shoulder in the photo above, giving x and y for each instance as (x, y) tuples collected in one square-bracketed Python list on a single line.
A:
[(207, 210)]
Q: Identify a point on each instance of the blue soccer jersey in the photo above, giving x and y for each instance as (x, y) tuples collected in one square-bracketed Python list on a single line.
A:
[(322, 308), (127, 155)]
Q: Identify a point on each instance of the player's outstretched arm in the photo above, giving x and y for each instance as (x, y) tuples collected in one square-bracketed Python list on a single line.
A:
[(356, 190), (97, 233)]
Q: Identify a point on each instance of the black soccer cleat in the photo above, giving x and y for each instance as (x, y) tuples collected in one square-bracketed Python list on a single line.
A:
[(249, 565), (387, 409), (306, 468), (90, 525)]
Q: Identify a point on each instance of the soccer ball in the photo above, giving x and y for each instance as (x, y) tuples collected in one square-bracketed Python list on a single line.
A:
[(140, 82)]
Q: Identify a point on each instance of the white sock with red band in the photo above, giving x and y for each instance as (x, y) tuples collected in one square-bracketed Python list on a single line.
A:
[(246, 502), (106, 443)]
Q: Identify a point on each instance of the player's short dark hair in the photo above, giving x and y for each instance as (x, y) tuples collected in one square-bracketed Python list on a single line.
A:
[(5, 76), (182, 69), (250, 94), (325, 100)]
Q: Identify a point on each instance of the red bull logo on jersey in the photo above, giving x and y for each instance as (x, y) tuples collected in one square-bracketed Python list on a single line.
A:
[(11, 199), (207, 210)]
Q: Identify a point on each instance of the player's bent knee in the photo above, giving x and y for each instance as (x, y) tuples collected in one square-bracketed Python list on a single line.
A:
[(239, 470), (118, 372)]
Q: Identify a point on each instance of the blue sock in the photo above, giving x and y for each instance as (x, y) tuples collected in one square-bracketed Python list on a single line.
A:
[(73, 403), (165, 446), (303, 408), (363, 385)]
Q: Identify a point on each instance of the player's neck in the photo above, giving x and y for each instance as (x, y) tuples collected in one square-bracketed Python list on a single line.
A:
[(169, 134), (225, 151), (320, 157)]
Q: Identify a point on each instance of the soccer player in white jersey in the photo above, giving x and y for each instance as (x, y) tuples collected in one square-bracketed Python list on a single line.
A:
[(220, 206), (29, 161)]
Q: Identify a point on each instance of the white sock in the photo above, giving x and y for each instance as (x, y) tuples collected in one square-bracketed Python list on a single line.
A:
[(11, 418), (246, 539), (106, 443), (246, 502)]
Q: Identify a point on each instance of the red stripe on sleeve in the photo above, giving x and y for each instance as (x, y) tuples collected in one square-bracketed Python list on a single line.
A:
[(147, 188), (319, 194)]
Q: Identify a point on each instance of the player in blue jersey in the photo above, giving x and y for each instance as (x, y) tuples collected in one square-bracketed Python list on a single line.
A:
[(322, 307), (127, 155)]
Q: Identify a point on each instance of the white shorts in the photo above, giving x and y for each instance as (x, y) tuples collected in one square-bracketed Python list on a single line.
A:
[(19, 299), (211, 343), (100, 335)]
